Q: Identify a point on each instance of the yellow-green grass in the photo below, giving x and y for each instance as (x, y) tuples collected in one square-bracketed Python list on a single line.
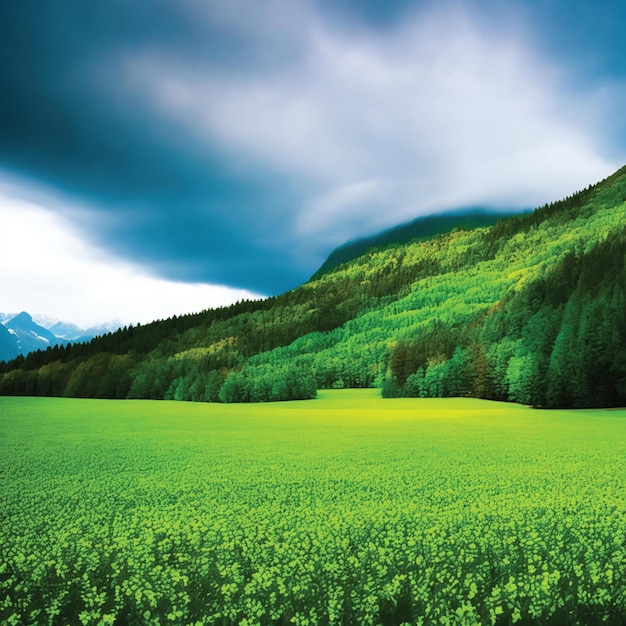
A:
[(348, 509)]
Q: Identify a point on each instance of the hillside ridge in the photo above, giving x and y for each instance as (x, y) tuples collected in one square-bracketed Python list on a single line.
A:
[(418, 229)]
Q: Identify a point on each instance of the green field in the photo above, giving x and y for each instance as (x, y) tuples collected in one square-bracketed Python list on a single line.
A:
[(348, 509)]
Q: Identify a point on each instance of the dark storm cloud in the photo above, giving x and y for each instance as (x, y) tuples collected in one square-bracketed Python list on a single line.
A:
[(238, 141), (65, 120)]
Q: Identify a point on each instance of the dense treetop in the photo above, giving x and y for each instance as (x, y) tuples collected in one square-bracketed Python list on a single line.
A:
[(420, 228)]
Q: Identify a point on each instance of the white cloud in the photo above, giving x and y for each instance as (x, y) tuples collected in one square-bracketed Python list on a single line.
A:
[(47, 267), (343, 205), (447, 111)]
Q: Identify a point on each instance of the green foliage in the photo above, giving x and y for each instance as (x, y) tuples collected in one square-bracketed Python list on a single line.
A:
[(349, 509), (530, 310), (266, 383), (419, 229)]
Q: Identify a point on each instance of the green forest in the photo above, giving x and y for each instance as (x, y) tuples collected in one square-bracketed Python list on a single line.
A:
[(530, 310)]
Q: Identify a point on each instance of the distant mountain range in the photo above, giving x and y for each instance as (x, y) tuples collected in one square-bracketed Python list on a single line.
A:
[(22, 333)]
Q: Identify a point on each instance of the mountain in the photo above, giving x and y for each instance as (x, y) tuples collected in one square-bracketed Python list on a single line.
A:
[(531, 309), (72, 332), (9, 347), (24, 333), (30, 335), (67, 330), (418, 229)]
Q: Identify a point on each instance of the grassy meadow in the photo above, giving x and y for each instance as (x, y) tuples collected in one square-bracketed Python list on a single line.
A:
[(347, 509)]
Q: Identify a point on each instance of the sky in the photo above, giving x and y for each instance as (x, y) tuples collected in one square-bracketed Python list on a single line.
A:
[(166, 158)]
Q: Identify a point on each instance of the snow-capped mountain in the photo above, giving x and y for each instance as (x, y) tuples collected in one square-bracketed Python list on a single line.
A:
[(29, 335), (23, 333), (73, 332), (8, 344)]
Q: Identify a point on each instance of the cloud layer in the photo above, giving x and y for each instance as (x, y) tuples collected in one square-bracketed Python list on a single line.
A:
[(237, 142), (439, 112), (63, 277)]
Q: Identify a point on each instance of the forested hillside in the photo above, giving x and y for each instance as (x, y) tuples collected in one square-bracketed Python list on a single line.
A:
[(531, 310), (420, 228)]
